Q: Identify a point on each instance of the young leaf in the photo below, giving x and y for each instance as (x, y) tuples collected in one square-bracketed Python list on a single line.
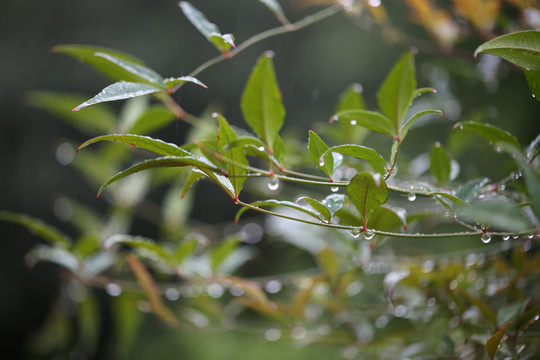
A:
[(210, 31), (405, 128), (194, 176), (134, 72), (533, 79), (495, 341), (520, 48), (316, 147), (318, 206), (371, 120), (119, 91), (367, 192), (498, 214), (439, 164), (37, 226), (144, 142), (494, 135), (351, 99), (261, 102), (373, 158), (450, 197), (276, 9), (468, 191), (398, 90), (236, 174), (172, 82)]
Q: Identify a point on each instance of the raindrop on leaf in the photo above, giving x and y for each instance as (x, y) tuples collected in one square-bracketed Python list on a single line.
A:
[(368, 234), (506, 237), (353, 122), (272, 334), (334, 188), (273, 183), (321, 162)]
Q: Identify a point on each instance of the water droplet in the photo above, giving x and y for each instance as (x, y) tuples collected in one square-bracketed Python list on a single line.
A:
[(172, 294), (411, 196), (273, 183), (516, 236), (272, 334), (497, 149), (374, 3), (381, 321), (356, 232), (321, 162), (260, 148), (333, 119), (273, 286), (113, 289), (354, 288), (353, 122), (334, 188), (65, 153), (506, 237), (368, 234), (486, 238), (537, 317), (530, 236)]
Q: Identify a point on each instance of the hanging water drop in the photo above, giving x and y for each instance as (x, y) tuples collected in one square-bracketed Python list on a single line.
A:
[(334, 188), (506, 237), (356, 232), (353, 122), (368, 234), (515, 237), (273, 183), (411, 196), (486, 238), (530, 236)]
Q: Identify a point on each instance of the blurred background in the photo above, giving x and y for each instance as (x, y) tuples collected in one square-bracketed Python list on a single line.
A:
[(313, 66)]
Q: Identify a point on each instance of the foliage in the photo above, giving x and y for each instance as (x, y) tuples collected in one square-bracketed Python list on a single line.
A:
[(470, 304)]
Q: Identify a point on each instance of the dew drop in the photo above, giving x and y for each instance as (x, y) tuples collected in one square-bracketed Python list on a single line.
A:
[(273, 183), (321, 162), (516, 236), (334, 188), (113, 289), (497, 149), (368, 234), (260, 148), (506, 237), (355, 233), (411, 196), (530, 236), (215, 290), (486, 238), (353, 122)]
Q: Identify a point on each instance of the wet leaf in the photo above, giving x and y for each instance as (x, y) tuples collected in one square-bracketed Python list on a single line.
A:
[(494, 135), (317, 147), (143, 142), (533, 149), (533, 79), (37, 226), (334, 202), (526, 319), (450, 197), (317, 206), (57, 255), (439, 164), (367, 192), (371, 120), (386, 218), (138, 243), (496, 340), (405, 128), (520, 48), (184, 250), (398, 90), (470, 190), (194, 176), (151, 290), (223, 42), (261, 102), (351, 99), (498, 214), (372, 157), (281, 203), (484, 308), (120, 91), (172, 82), (134, 71)]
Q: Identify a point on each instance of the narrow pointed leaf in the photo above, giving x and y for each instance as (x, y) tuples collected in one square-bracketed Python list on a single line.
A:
[(236, 174), (86, 54), (520, 48), (37, 226), (533, 79), (450, 197), (533, 149), (245, 142), (261, 102), (209, 30), (151, 290), (494, 135), (317, 147), (405, 128), (139, 242), (424, 90), (251, 289), (167, 161), (371, 120), (184, 250), (498, 214), (398, 90), (496, 340), (282, 203), (470, 190), (135, 72), (120, 91), (373, 158), (144, 142), (526, 319), (172, 82), (317, 206), (439, 164), (194, 176), (367, 192)]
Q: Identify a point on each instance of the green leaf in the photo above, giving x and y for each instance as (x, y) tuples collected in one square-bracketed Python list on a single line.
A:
[(98, 119), (317, 206), (167, 161), (494, 135), (373, 158), (154, 118), (135, 72), (533, 149), (276, 9), (367, 192), (333, 203), (317, 147), (225, 136), (498, 214), (496, 340), (209, 30), (86, 54), (143, 142), (184, 250), (456, 200), (194, 176), (261, 102), (148, 246), (405, 128), (120, 91), (172, 82), (398, 90), (526, 319), (386, 218), (470, 190), (439, 164), (484, 308), (281, 203), (533, 79), (520, 48), (371, 120), (37, 226), (224, 249)]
